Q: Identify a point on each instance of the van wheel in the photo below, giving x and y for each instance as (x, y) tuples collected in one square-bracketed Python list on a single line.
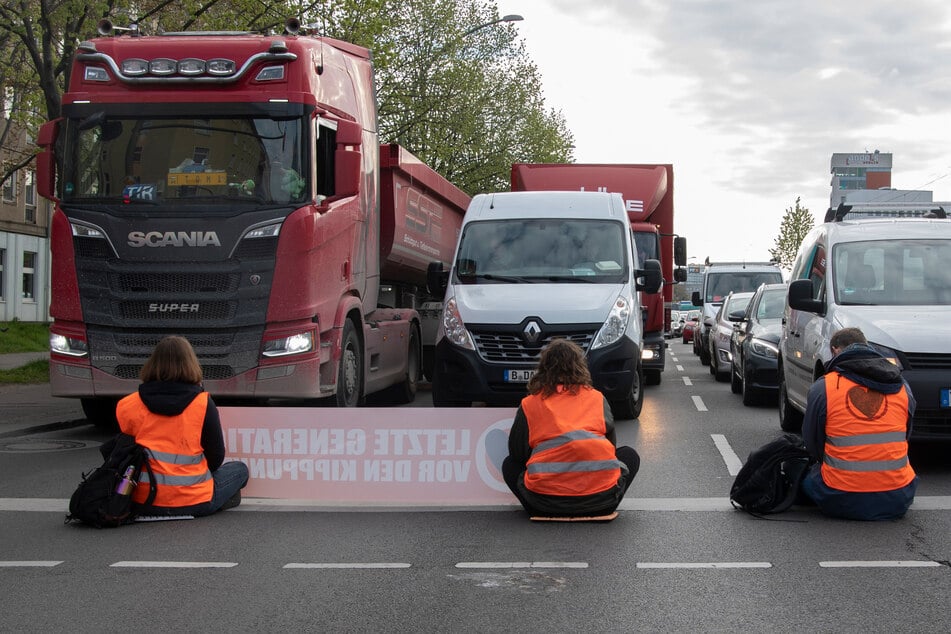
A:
[(790, 419), (630, 407), (101, 412), (350, 372)]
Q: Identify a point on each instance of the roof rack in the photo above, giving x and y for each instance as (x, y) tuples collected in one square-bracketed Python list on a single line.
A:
[(885, 210)]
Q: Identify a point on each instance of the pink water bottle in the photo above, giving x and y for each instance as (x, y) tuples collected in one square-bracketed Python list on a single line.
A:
[(126, 484)]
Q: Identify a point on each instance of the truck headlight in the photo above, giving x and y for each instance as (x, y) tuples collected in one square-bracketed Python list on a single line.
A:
[(615, 325), (70, 346), (295, 344), (651, 352), (454, 327)]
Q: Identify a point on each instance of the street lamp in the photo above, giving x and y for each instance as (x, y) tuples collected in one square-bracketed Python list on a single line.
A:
[(507, 18)]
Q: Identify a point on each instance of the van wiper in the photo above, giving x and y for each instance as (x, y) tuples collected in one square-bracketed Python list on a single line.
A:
[(584, 279), (492, 277)]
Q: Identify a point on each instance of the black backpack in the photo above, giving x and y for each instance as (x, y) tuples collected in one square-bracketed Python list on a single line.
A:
[(770, 479), (104, 497)]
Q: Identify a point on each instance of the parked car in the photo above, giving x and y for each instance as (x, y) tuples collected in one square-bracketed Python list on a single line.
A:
[(676, 323), (755, 345), (720, 332), (690, 326)]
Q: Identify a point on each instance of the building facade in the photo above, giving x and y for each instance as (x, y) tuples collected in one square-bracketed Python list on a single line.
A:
[(859, 171), (24, 246)]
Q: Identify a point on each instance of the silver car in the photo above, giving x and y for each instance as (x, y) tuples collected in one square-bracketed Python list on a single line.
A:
[(721, 360)]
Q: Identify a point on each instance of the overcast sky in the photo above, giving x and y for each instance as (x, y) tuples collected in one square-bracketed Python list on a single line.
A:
[(748, 100)]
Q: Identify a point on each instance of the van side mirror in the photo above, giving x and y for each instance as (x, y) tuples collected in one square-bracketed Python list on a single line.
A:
[(802, 297), (437, 279), (680, 251), (680, 275), (649, 279)]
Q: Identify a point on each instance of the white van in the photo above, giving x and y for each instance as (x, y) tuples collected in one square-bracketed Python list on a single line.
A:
[(890, 277), (535, 266)]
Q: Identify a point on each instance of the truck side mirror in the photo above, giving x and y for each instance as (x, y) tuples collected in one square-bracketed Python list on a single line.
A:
[(680, 275), (696, 299), (437, 279), (46, 160), (649, 278), (802, 297), (347, 159), (680, 251)]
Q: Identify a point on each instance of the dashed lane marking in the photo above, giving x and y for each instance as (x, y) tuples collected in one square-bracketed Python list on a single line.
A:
[(680, 368), (522, 564), (703, 564), (29, 564), (879, 564), (687, 381), (733, 462), (348, 566), (698, 403), (174, 564)]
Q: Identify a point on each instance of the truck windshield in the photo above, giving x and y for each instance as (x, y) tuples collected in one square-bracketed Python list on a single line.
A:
[(647, 244), (893, 273), (719, 285), (542, 250), (175, 162)]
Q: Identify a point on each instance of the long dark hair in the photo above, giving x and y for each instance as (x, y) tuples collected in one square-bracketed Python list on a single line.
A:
[(562, 363), (172, 360)]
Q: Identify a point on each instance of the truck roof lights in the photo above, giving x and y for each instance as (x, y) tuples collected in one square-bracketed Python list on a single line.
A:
[(163, 66), (191, 67), (270, 73), (95, 73), (134, 67), (161, 70), (220, 67)]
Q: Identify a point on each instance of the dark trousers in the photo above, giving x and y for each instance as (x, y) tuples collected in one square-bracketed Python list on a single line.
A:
[(512, 474)]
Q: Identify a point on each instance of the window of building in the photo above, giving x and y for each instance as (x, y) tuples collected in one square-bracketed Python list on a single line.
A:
[(9, 189), (29, 277), (29, 189), (3, 260)]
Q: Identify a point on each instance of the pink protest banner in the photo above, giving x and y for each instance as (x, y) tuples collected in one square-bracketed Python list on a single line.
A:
[(372, 456)]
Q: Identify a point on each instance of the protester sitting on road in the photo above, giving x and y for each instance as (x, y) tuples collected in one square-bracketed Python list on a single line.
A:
[(563, 460), (177, 422), (856, 426)]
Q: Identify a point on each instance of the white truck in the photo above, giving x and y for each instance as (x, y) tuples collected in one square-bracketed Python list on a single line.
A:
[(535, 266)]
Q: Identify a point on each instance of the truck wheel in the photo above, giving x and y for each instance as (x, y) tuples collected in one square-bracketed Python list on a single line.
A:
[(790, 419), (101, 412), (652, 377), (405, 391), (350, 372), (630, 407)]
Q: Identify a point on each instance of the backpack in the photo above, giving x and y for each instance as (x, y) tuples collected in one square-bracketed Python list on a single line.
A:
[(770, 479), (104, 497)]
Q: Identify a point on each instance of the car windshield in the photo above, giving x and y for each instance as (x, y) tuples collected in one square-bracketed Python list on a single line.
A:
[(735, 303), (542, 250), (719, 285), (771, 304), (174, 161), (893, 273)]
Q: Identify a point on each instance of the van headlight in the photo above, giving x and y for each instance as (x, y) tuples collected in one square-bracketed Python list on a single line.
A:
[(455, 329), (616, 323)]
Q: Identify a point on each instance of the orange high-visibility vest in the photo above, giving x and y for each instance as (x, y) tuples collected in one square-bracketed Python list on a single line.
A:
[(866, 449), (175, 454), (570, 454)]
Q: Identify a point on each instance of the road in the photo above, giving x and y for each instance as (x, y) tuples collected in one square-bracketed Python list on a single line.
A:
[(678, 558)]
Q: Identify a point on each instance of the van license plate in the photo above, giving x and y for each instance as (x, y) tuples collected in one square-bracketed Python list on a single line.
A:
[(518, 376), (946, 397)]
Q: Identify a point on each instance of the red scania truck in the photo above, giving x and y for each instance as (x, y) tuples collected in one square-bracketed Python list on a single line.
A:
[(648, 193), (230, 188)]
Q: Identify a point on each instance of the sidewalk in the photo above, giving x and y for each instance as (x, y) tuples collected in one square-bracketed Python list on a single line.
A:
[(18, 359)]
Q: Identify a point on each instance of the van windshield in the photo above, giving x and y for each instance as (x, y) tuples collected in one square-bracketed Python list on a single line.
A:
[(892, 273), (719, 285), (542, 250)]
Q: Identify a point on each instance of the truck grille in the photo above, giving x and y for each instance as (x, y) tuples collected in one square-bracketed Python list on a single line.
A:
[(145, 282), (172, 311)]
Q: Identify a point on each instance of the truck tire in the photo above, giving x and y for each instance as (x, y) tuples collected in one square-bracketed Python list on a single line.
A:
[(101, 412), (405, 391), (652, 377), (350, 371), (790, 418), (630, 407)]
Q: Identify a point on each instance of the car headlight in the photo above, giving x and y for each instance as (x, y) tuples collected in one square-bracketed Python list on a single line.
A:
[(615, 325), (764, 348), (454, 327), (888, 353)]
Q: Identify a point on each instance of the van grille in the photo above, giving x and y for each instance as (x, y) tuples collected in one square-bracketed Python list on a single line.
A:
[(927, 361), (512, 348)]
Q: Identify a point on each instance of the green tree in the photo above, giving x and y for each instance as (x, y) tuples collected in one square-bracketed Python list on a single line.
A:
[(796, 223), (466, 100)]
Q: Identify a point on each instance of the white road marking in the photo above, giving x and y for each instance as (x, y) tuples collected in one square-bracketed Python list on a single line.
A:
[(733, 462), (674, 359), (706, 564), (29, 564), (687, 381), (522, 564), (879, 564), (680, 368), (174, 564), (698, 403), (347, 566)]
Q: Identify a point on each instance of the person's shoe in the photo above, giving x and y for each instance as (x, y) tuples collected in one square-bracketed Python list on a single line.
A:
[(232, 502)]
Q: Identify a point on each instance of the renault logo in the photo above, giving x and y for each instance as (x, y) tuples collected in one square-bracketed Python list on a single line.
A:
[(532, 331)]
